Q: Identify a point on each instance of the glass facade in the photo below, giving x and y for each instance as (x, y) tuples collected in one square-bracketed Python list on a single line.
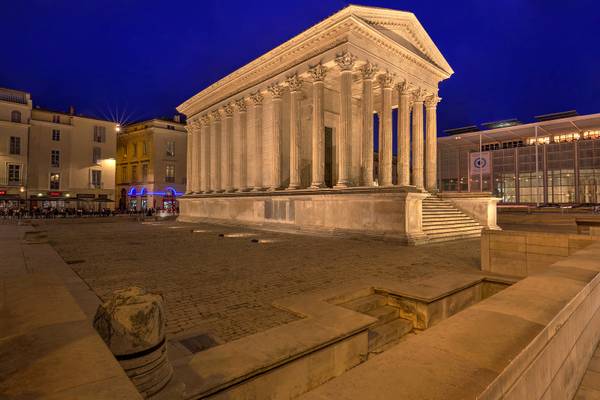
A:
[(567, 170)]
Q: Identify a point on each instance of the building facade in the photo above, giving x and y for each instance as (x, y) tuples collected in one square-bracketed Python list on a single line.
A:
[(151, 165), (555, 160), (51, 159), (15, 115)]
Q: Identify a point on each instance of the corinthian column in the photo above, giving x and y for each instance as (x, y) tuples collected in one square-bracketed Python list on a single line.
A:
[(194, 167), (318, 73), (257, 99), (368, 72), (197, 156), (188, 164), (295, 84), (403, 166), (431, 142), (276, 91), (385, 131), (242, 153), (227, 149), (205, 150), (345, 62), (215, 150), (417, 139)]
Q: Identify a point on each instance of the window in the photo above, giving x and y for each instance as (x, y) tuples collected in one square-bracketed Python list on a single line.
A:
[(170, 127), (123, 174), (144, 172), (124, 151), (134, 173), (144, 148), (15, 116), (99, 134), (55, 158), (96, 178), (14, 173), (56, 135), (170, 173), (134, 147), (171, 149), (15, 145), (56, 119), (54, 181), (96, 154)]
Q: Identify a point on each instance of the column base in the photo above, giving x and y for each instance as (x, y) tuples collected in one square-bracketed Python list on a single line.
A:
[(317, 185), (245, 189), (342, 185), (258, 189), (293, 187)]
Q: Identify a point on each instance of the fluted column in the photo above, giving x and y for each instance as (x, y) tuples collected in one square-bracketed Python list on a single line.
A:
[(188, 163), (368, 71), (205, 154), (257, 99), (386, 81), (318, 73), (417, 139), (431, 143), (276, 91), (403, 166), (197, 156), (295, 84), (215, 150), (227, 150), (345, 62), (242, 153)]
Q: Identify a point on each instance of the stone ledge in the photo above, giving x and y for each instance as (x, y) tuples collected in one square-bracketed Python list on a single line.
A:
[(48, 347)]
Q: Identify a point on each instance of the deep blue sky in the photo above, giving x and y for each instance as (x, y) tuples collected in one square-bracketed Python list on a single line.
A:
[(512, 58)]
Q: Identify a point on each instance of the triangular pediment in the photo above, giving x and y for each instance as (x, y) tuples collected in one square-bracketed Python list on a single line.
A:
[(405, 29)]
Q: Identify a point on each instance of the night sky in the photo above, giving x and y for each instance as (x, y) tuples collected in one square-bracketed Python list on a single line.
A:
[(140, 59)]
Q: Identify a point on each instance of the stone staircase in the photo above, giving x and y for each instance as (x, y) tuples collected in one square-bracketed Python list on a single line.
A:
[(389, 327), (442, 221)]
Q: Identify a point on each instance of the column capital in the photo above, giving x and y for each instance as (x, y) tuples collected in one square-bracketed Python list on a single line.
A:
[(257, 98), (294, 82), (419, 95), (432, 101), (318, 72), (205, 119), (345, 61), (216, 115), (368, 70), (405, 88), (241, 104), (386, 80), (195, 123), (276, 90), (228, 108)]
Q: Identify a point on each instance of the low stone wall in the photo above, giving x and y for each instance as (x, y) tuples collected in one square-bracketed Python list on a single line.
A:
[(392, 213), (522, 253), (48, 347), (533, 340)]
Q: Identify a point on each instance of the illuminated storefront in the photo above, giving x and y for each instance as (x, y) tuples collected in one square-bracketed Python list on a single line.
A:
[(555, 161)]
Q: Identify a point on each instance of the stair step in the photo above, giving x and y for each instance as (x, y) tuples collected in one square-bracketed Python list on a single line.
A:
[(366, 304), (453, 237), (383, 334), (452, 230), (384, 314), (451, 226)]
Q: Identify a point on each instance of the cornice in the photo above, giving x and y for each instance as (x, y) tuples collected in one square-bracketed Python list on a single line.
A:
[(314, 41)]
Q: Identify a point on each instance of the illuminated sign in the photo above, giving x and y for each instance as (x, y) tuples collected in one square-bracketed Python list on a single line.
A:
[(2, 192), (54, 194)]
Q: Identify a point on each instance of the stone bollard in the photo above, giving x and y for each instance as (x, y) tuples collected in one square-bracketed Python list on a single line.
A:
[(132, 324)]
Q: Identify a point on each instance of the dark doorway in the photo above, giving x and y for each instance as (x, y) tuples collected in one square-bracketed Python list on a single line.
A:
[(328, 157)]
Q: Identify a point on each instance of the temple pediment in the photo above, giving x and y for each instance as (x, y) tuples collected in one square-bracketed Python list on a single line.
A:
[(397, 32)]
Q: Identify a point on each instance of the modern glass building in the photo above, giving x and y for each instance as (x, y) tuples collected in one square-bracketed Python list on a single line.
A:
[(555, 160)]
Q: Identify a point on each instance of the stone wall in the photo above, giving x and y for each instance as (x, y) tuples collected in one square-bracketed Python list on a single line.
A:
[(394, 213), (523, 253)]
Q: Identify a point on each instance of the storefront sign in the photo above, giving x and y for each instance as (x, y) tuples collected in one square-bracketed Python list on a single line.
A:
[(85, 195), (54, 194), (479, 163), (2, 192)]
